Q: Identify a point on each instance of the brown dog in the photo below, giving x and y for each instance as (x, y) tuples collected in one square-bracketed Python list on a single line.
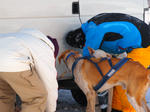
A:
[(132, 76)]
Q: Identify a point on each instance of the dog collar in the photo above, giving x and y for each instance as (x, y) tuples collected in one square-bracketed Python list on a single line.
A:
[(69, 55)]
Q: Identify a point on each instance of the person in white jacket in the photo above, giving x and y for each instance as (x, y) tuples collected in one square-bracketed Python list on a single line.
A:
[(27, 68)]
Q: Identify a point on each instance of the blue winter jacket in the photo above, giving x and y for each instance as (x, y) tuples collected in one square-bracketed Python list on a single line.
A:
[(95, 33)]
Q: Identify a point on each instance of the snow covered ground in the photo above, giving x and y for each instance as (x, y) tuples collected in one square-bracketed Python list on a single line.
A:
[(66, 103)]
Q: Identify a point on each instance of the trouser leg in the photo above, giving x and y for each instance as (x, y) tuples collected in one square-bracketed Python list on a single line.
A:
[(7, 97), (30, 89)]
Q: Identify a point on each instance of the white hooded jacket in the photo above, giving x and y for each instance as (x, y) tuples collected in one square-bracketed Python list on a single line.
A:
[(20, 50)]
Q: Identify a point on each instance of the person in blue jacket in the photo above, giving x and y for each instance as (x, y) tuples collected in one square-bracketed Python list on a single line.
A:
[(111, 32), (94, 35)]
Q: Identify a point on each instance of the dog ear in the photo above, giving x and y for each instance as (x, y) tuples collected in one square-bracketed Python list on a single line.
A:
[(91, 51)]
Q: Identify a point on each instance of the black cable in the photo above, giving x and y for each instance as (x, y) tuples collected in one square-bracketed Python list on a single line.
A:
[(79, 13)]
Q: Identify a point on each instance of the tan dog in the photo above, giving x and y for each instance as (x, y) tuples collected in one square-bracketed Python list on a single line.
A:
[(132, 76)]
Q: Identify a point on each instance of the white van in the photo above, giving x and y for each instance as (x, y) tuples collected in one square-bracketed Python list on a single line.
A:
[(57, 17)]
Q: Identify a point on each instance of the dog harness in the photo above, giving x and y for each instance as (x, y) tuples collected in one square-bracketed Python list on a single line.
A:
[(111, 72)]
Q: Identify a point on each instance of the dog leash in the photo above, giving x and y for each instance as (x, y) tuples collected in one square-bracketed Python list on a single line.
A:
[(111, 72)]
